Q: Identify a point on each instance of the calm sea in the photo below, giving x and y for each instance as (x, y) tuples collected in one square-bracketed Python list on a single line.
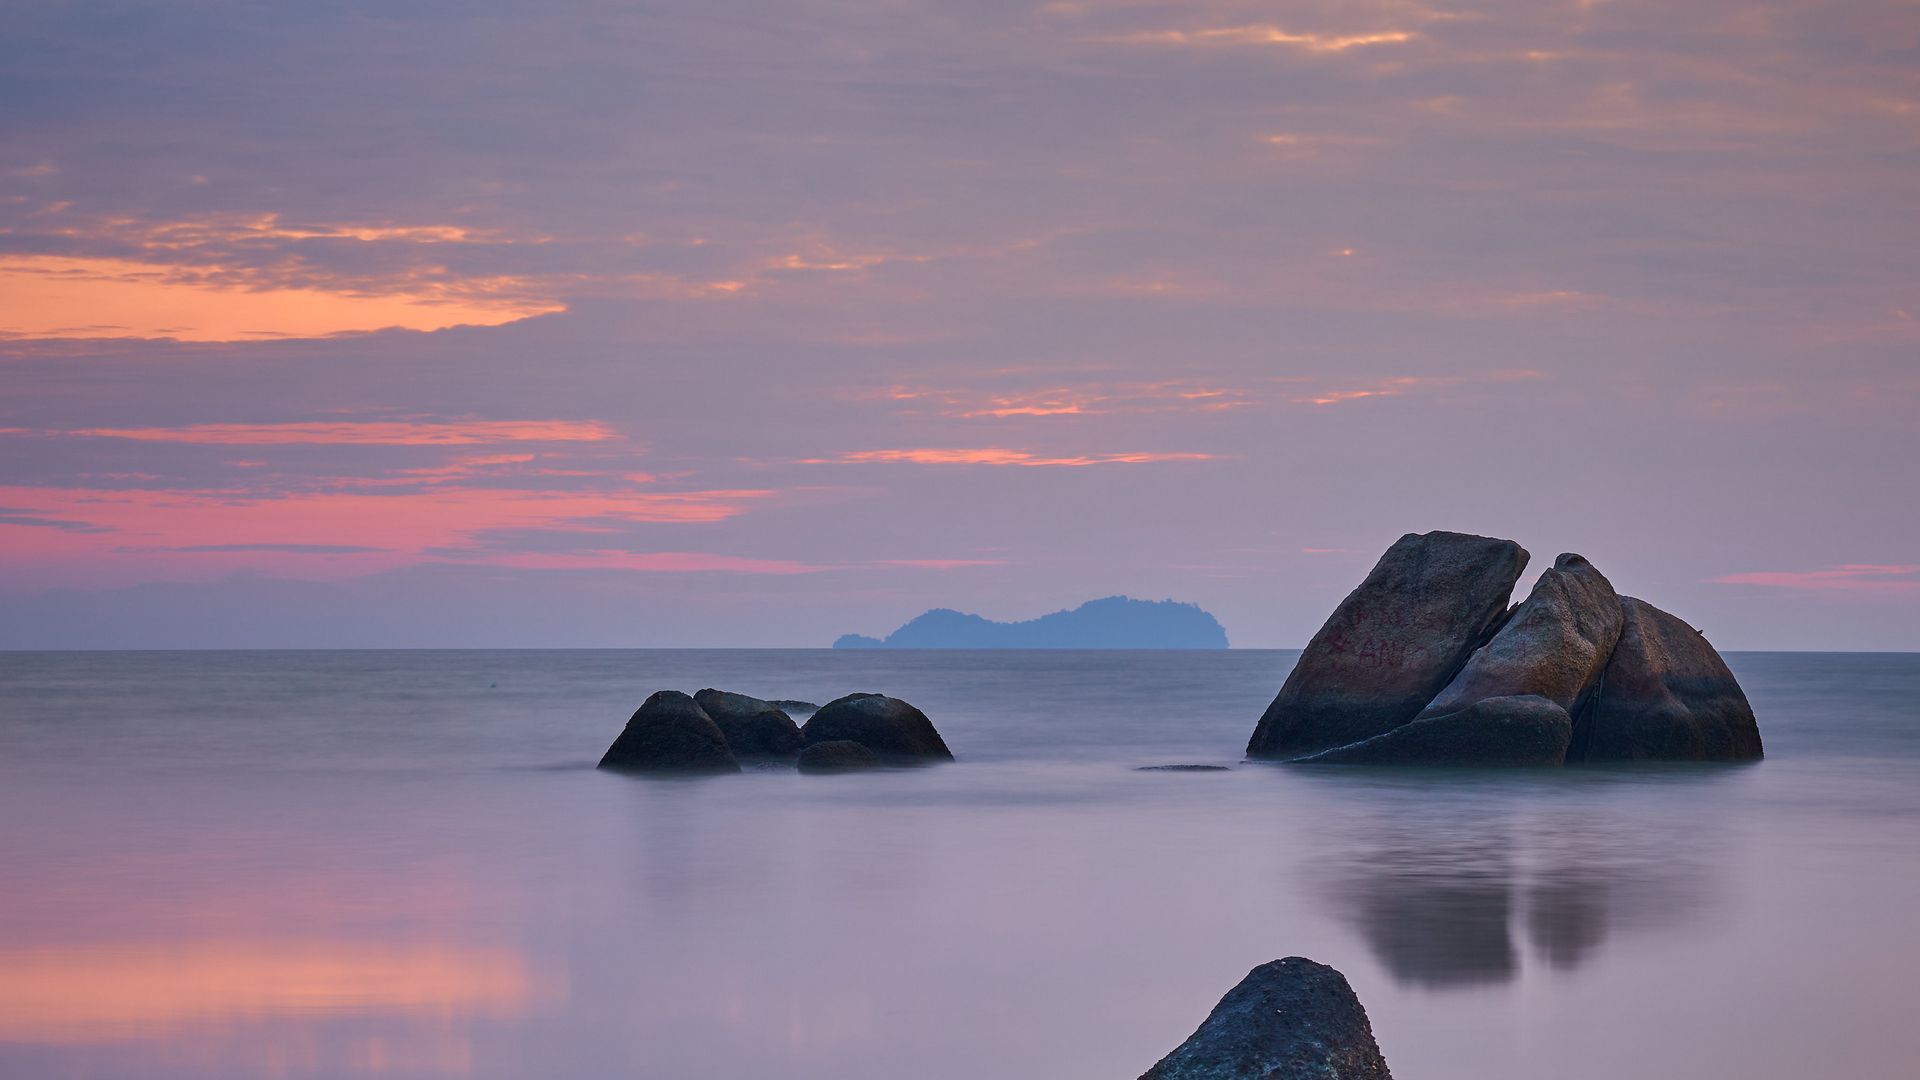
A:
[(332, 864)]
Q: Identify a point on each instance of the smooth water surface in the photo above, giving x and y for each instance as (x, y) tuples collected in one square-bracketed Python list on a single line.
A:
[(403, 863)]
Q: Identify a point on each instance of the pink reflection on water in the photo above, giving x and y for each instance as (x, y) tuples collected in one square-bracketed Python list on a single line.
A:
[(96, 992)]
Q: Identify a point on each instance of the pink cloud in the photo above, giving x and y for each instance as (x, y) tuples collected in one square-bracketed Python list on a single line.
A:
[(1397, 385), (366, 433), (175, 533), (1869, 578), (658, 562), (1264, 34), (995, 456), (1082, 399), (942, 564)]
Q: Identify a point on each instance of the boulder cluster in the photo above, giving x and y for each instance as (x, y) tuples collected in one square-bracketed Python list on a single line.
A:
[(715, 731), (1424, 663)]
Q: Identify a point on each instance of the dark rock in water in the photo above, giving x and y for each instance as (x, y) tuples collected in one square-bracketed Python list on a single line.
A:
[(1554, 645), (891, 728), (670, 733), (840, 755), (1576, 672), (1182, 768), (1393, 643), (1523, 730), (1665, 695), (1291, 1019), (790, 705), (754, 729)]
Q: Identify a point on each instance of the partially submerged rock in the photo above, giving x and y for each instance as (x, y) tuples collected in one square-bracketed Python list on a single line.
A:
[(670, 733), (755, 730), (1291, 1019), (1522, 730), (1665, 695), (1393, 643), (840, 755), (1574, 673), (793, 705), (899, 733)]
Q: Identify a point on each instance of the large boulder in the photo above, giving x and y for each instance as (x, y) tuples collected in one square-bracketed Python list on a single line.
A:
[(1393, 643), (755, 730), (1665, 695), (670, 733), (899, 733), (1554, 645), (1523, 730), (1291, 1019), (840, 755)]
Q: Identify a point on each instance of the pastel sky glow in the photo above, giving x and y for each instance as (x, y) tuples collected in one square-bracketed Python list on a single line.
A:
[(753, 323)]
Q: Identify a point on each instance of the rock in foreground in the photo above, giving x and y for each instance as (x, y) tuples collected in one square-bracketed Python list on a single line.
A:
[(1291, 1019), (755, 730), (1666, 695), (896, 731), (840, 755), (1393, 643), (670, 733), (1523, 730)]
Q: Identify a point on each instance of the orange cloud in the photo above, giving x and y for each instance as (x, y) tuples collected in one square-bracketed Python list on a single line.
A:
[(993, 456), (51, 296), (367, 433), (1871, 578)]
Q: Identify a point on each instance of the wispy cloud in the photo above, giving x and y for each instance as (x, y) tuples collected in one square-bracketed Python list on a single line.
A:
[(941, 564), (372, 433), (27, 519), (1397, 385), (993, 455), (653, 562), (1897, 579), (1264, 34), (1081, 399), (290, 549), (335, 532)]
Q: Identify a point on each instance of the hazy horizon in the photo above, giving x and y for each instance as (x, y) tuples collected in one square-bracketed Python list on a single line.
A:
[(754, 324)]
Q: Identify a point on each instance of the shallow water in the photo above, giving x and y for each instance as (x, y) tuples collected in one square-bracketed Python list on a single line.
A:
[(403, 864)]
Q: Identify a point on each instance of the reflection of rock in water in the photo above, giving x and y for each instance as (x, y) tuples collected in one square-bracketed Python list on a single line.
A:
[(1437, 890), (1567, 916), (1436, 915)]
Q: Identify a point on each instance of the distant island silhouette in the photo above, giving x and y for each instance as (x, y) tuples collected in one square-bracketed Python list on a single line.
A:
[(1116, 622)]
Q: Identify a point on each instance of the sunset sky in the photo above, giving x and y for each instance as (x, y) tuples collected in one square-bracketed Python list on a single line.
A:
[(718, 323)]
